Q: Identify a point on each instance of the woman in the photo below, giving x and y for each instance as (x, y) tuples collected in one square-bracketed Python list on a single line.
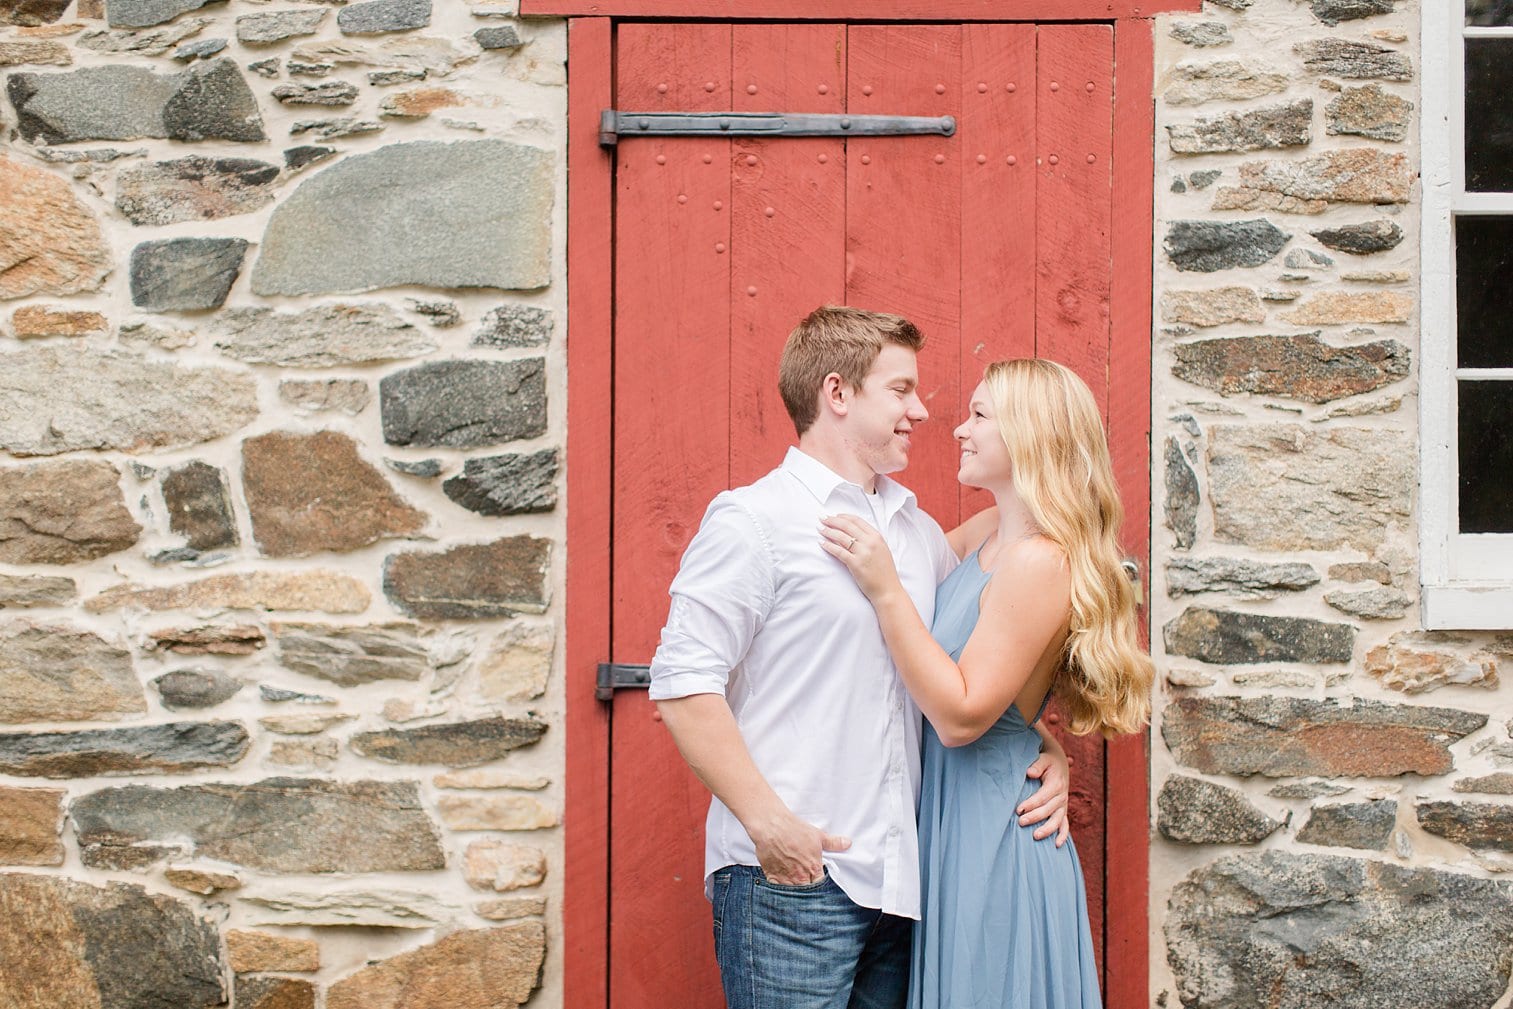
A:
[(1005, 918)]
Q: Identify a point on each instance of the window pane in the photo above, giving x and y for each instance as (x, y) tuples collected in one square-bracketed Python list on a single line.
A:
[(1489, 115), (1486, 457), (1483, 274), (1489, 13)]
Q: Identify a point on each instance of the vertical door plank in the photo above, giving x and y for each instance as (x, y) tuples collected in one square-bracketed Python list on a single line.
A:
[(1127, 808), (1074, 200), (903, 225), (590, 306), (672, 359), (997, 132), (787, 228), (1074, 99)]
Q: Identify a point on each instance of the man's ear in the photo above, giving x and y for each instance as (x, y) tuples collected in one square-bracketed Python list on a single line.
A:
[(835, 394)]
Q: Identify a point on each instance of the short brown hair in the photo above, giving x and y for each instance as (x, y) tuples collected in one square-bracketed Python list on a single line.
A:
[(839, 339)]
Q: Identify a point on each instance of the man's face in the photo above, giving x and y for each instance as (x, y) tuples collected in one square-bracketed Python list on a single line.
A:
[(884, 411)]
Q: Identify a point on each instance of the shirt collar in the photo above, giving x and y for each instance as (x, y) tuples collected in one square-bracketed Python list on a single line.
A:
[(822, 481)]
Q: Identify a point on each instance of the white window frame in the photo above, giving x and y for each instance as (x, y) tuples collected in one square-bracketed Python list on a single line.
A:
[(1466, 579)]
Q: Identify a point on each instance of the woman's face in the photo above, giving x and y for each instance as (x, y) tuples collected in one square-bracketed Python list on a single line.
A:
[(984, 456)]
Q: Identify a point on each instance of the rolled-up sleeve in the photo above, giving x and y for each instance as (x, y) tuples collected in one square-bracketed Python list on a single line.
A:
[(722, 593)]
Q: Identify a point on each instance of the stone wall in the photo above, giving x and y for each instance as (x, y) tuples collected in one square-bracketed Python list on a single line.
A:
[(281, 421), (1332, 822)]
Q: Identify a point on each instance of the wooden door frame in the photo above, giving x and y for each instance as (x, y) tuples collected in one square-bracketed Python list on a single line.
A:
[(590, 293)]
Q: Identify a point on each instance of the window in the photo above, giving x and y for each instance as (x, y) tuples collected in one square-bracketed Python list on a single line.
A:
[(1466, 356)]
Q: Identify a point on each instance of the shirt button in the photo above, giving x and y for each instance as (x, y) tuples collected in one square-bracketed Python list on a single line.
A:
[(892, 831)]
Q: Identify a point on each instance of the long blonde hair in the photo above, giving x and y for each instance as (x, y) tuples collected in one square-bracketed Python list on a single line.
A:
[(1050, 422)]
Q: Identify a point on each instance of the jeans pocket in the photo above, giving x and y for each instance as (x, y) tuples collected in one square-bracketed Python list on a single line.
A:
[(721, 881), (819, 884)]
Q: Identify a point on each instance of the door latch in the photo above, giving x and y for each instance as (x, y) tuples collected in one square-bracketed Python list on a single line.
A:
[(620, 676), (1132, 571)]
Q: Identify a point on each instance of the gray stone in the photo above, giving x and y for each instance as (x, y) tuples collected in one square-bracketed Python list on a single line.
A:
[(195, 688), (142, 749), (1332, 12), (144, 42), (1306, 789), (63, 513), (1178, 185), (1362, 239), (507, 484), (67, 944), (31, 13), (1205, 178), (373, 17), (1202, 34), (1481, 825), (296, 158), (297, 825), (298, 69), (21, 591), (1182, 496), (1369, 112), (1259, 129), (456, 744), (201, 50), (1194, 811), (1307, 259), (350, 656), (471, 581), (145, 13), (330, 93), (1286, 487), (1498, 783), (1229, 638), (1354, 60), (1286, 737), (1361, 571), (331, 129), (1301, 367), (514, 326), (1365, 825), (1234, 5), (184, 274), (474, 213), (1208, 246), (59, 673), (278, 695), (194, 188), (199, 506), (323, 336), (462, 404), (275, 26), (1194, 82), (425, 468), (1285, 930), (442, 314), (502, 37), (347, 395), (266, 68), (1244, 579), (1371, 604), (116, 400), (387, 78), (213, 102)]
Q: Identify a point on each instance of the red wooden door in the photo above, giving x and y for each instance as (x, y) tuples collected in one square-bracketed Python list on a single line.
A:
[(995, 241)]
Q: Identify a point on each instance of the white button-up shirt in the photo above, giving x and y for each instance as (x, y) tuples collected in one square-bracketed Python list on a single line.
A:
[(765, 617)]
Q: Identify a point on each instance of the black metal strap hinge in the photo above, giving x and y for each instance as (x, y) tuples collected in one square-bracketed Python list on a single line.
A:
[(614, 124), (619, 676)]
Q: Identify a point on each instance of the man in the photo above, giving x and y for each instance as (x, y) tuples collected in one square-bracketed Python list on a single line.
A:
[(775, 682)]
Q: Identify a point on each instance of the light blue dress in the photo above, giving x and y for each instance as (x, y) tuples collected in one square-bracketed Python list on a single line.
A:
[(1004, 921)]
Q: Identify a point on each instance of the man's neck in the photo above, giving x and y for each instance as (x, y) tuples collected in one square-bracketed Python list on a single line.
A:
[(838, 457)]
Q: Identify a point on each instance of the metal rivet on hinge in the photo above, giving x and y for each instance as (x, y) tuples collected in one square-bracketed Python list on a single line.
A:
[(724, 124), (845, 124), (645, 124)]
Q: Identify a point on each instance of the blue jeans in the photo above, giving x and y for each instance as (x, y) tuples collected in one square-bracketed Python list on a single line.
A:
[(805, 947)]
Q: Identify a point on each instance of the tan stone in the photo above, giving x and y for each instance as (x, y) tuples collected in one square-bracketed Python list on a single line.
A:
[(1330, 308), (309, 493), (320, 591), (36, 590), (347, 395), (50, 243), (61, 673), (63, 513), (303, 753), (241, 639), (1212, 308), (274, 993), (1237, 198), (37, 321), (510, 908), (498, 865), (35, 51), (1361, 571), (154, 334), (1357, 175), (197, 879), (490, 777), (1414, 663), (247, 951), (30, 822), (439, 56), (420, 102), (408, 709), (1189, 678), (478, 969), (1193, 83), (1378, 276), (303, 724), (518, 663), (495, 812), (58, 30)]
